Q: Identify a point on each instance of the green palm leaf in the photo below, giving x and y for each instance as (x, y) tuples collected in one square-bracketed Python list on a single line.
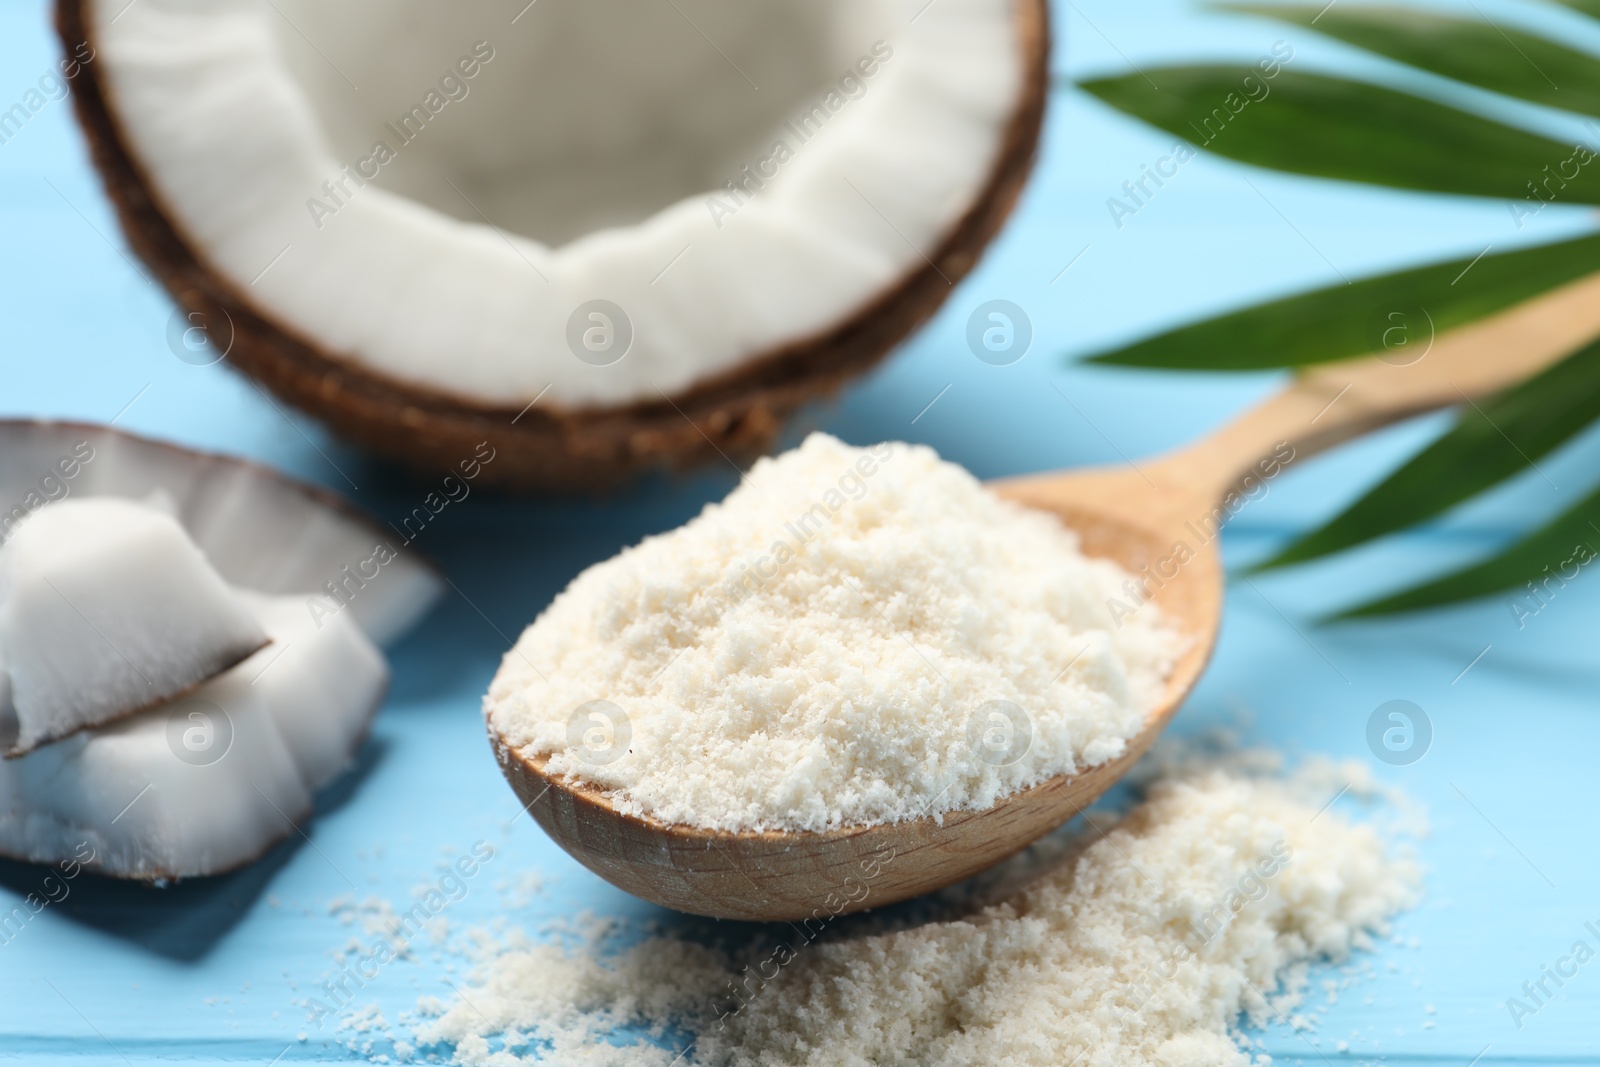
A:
[(1476, 51), (1588, 7), (1336, 128), (1342, 321), (1300, 122), (1489, 443), (1555, 548)]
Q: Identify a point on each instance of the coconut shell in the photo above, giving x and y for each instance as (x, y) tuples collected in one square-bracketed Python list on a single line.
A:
[(736, 414)]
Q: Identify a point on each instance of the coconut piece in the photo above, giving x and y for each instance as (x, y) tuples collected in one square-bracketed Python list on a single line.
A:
[(258, 529), (207, 782), (596, 236), (210, 781), (322, 704), (107, 607)]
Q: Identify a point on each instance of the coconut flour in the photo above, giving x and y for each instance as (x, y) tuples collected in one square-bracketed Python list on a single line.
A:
[(854, 636), (1146, 942)]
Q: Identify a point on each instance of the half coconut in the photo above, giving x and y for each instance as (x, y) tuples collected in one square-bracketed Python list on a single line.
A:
[(599, 236), (207, 781)]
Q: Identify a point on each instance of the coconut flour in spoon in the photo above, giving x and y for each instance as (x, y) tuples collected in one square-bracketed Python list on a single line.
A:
[(854, 636)]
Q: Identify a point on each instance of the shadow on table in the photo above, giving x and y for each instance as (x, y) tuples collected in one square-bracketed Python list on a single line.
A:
[(183, 921)]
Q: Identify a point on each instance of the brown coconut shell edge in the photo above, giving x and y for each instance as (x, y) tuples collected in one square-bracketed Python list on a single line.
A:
[(734, 415)]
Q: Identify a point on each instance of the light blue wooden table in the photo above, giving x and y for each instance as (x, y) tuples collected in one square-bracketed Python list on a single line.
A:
[(216, 970)]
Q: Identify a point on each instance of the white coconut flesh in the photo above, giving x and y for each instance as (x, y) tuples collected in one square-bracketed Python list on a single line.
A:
[(107, 607), (210, 781), (258, 530), (438, 191)]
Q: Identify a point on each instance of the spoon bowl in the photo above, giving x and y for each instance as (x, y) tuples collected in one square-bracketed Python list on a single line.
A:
[(1160, 521), (785, 875)]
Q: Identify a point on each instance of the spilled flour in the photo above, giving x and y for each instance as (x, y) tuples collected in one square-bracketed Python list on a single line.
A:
[(854, 636), (1141, 943)]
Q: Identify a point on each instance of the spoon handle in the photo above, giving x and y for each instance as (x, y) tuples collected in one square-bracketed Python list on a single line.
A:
[(1333, 402)]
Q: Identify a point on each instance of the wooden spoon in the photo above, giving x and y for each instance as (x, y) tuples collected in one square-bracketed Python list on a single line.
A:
[(1158, 518)]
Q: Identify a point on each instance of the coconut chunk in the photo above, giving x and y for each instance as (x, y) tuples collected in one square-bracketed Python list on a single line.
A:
[(107, 607), (210, 781), (260, 530)]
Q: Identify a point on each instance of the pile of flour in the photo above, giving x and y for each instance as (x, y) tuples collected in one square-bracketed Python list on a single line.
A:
[(852, 637), (1140, 944)]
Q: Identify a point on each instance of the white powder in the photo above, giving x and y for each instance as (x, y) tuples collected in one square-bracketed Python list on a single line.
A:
[(814, 651), (1211, 898)]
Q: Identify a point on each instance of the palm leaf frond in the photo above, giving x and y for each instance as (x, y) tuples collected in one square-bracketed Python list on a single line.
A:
[(1587, 7), (1343, 321), (1321, 125), (1475, 51), (1490, 442), (1553, 553), (1330, 127)]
